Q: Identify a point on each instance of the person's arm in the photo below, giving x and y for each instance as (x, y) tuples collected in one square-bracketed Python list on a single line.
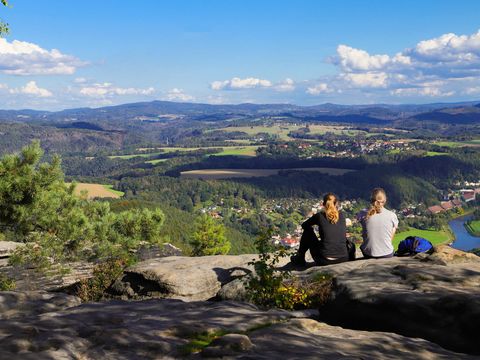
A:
[(395, 225), (393, 233), (310, 222)]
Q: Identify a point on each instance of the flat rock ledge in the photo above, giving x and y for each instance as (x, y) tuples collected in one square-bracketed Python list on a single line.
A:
[(167, 328), (416, 297), (179, 277)]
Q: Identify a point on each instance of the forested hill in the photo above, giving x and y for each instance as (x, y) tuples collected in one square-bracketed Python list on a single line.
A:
[(156, 110)]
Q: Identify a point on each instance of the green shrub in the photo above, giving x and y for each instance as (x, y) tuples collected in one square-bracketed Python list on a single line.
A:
[(6, 283), (104, 274), (269, 287)]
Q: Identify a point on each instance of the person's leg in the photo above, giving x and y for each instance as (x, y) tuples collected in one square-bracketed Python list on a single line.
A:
[(308, 241)]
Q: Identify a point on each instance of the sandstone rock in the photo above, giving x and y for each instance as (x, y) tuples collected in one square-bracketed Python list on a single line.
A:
[(8, 247), (163, 329), (412, 297), (150, 252), (15, 304), (444, 255), (228, 345), (234, 290), (31, 279), (178, 277)]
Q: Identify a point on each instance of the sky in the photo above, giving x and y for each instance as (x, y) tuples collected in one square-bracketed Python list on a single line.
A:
[(65, 54)]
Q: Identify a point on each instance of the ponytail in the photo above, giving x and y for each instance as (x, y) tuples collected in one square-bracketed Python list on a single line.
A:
[(377, 201), (330, 205)]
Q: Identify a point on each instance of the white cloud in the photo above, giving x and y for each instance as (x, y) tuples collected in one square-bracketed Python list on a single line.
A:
[(430, 91), (24, 58), (178, 95), (356, 59), (368, 79), (107, 89), (318, 89), (437, 67), (236, 84), (450, 47), (32, 89), (285, 85)]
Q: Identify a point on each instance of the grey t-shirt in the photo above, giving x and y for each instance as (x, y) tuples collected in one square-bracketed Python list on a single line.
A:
[(377, 232)]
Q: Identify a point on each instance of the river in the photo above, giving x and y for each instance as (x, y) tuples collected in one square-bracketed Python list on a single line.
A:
[(463, 239)]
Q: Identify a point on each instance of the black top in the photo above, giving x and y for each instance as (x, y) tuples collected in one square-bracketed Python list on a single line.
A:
[(332, 236)]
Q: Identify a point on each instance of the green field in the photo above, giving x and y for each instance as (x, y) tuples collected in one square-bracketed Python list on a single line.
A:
[(473, 227), (435, 237), (456, 144), (282, 130), (112, 190), (240, 150), (435, 153)]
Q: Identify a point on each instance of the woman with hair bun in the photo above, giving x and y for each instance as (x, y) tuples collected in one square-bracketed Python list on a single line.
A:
[(379, 225), (332, 248)]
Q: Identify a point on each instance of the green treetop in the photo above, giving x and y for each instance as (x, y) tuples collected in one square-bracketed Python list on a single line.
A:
[(39, 209), (209, 237)]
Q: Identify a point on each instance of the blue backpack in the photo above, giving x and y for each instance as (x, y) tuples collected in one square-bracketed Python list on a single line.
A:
[(413, 245)]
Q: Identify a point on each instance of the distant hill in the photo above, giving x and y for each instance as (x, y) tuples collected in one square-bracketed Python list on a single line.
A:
[(457, 115), (161, 111)]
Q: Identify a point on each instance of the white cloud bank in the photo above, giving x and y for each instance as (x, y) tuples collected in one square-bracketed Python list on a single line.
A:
[(438, 67), (25, 58), (30, 89), (441, 67), (178, 95), (237, 83), (107, 89)]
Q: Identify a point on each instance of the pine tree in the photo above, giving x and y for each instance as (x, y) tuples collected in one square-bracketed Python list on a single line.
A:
[(209, 237)]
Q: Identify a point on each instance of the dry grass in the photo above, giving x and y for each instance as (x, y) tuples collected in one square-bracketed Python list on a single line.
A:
[(97, 191)]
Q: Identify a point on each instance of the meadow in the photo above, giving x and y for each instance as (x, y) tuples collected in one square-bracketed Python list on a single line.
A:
[(435, 237), (282, 131), (247, 150), (473, 227), (98, 191), (456, 144)]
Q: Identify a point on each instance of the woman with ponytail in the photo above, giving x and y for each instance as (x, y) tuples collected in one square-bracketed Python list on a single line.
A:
[(331, 249), (379, 225)]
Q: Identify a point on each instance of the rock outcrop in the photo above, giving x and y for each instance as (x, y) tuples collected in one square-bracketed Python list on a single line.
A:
[(20, 304), (424, 307), (8, 247), (186, 278), (167, 329), (415, 297)]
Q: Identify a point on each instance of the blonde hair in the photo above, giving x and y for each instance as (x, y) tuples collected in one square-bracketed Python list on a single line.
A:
[(330, 205), (377, 201)]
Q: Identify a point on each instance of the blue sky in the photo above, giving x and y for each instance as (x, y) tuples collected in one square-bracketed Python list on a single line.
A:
[(63, 54)]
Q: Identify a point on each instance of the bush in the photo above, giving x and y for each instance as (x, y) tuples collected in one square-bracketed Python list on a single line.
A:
[(6, 284), (104, 274), (269, 287)]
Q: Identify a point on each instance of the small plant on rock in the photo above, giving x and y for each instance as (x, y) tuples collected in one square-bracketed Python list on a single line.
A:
[(104, 274), (6, 283), (269, 287)]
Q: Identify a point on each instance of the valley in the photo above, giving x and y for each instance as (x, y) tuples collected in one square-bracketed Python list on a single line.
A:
[(253, 167)]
